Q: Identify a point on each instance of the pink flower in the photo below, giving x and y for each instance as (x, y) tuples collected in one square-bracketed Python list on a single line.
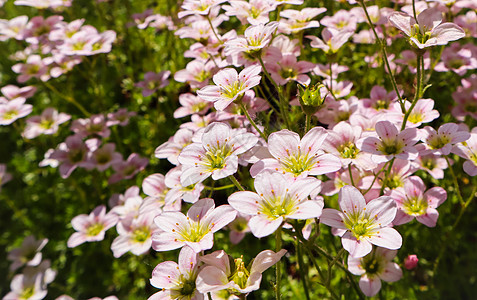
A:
[(198, 7), (375, 267), (28, 253), (196, 230), (173, 147), (361, 225), (427, 30), (4, 176), (298, 157), (391, 143), (255, 39), (103, 157), (277, 198), (254, 12), (423, 112), (71, 154), (48, 123), (298, 20), (287, 68), (412, 202), (95, 125), (197, 73), (128, 168), (332, 41), (177, 192), (442, 140), (11, 92), (410, 262), (431, 163), (466, 99), (218, 275), (191, 104), (134, 235), (14, 110), (13, 28), (33, 67), (230, 86), (341, 20), (91, 228), (216, 155), (468, 150), (177, 281), (152, 82), (120, 117), (341, 142)]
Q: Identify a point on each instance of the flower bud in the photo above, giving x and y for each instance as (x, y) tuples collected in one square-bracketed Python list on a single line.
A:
[(410, 262), (310, 98)]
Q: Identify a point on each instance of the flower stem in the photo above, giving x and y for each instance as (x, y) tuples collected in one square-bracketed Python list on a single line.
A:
[(67, 98), (213, 30), (237, 184), (456, 183), (417, 95), (386, 175), (278, 267), (302, 269), (219, 188), (382, 46), (245, 111)]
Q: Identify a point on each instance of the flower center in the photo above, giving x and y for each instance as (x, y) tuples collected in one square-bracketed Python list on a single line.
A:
[(241, 274), (348, 150), (94, 229), (416, 117), (140, 235), (298, 163), (438, 141), (10, 114), (415, 206), (46, 124)]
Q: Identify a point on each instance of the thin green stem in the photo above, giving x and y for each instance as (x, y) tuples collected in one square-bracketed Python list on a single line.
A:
[(237, 184), (245, 111), (417, 94), (307, 122), (67, 98), (382, 46), (219, 188), (386, 175), (351, 175), (456, 183), (303, 270), (278, 266), (213, 30)]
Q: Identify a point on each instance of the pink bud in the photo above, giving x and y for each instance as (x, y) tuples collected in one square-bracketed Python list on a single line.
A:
[(410, 262)]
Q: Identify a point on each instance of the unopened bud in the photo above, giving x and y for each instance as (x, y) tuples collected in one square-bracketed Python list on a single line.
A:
[(410, 262), (310, 98)]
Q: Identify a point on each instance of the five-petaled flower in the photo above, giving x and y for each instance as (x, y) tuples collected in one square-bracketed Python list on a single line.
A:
[(361, 225)]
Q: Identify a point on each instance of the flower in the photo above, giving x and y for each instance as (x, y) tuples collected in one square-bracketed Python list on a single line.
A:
[(277, 198), (47, 123), (196, 230), (134, 235), (360, 225), (4, 176), (374, 267), (297, 157), (177, 280), (28, 253), (440, 142), (391, 143), (218, 275), (152, 82), (427, 30), (412, 202), (230, 85), (468, 150), (14, 110), (255, 39), (332, 41), (216, 155), (91, 228)]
